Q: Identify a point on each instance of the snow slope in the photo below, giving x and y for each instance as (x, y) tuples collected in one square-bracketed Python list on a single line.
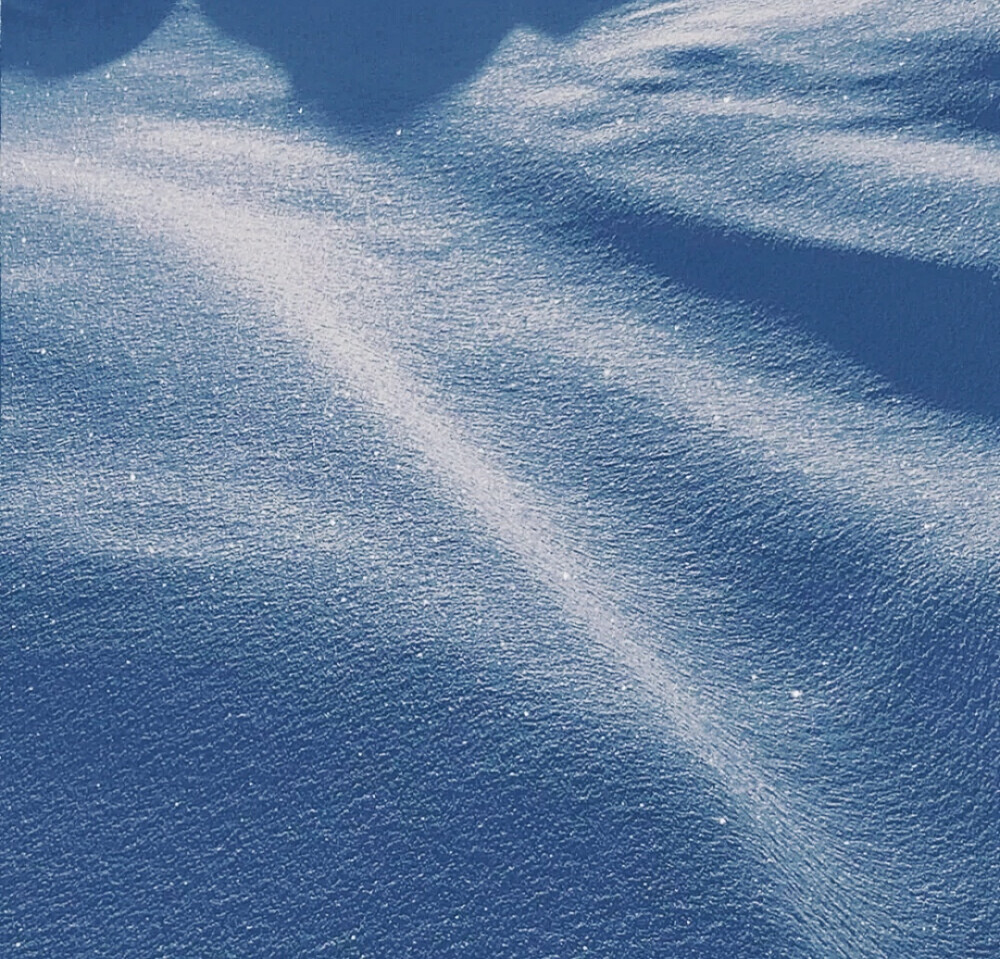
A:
[(556, 513)]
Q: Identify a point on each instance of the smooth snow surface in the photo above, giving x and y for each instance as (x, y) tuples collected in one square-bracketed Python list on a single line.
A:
[(538, 495)]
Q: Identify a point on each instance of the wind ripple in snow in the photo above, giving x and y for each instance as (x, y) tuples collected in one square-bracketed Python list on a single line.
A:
[(445, 316)]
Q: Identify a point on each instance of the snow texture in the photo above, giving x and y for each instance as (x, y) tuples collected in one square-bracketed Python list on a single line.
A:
[(501, 479)]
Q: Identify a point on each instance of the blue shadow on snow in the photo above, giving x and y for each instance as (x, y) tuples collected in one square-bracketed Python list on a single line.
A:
[(931, 330), (365, 66)]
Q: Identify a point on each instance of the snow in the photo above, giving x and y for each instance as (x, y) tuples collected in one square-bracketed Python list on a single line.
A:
[(659, 347)]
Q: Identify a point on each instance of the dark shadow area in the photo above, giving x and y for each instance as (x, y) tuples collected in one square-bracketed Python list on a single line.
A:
[(368, 64), (162, 792), (60, 37), (966, 89), (364, 65), (931, 330)]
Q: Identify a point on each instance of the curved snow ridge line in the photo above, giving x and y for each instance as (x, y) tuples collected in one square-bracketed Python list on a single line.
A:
[(261, 257), (908, 470), (923, 480), (930, 485), (919, 480), (906, 467)]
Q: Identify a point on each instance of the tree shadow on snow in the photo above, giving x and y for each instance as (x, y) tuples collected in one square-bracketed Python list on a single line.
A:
[(368, 64), (365, 65), (53, 38)]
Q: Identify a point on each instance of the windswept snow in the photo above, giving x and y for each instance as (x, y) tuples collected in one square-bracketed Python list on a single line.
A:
[(625, 374)]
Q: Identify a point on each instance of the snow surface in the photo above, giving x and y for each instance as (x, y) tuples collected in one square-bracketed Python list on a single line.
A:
[(544, 504)]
